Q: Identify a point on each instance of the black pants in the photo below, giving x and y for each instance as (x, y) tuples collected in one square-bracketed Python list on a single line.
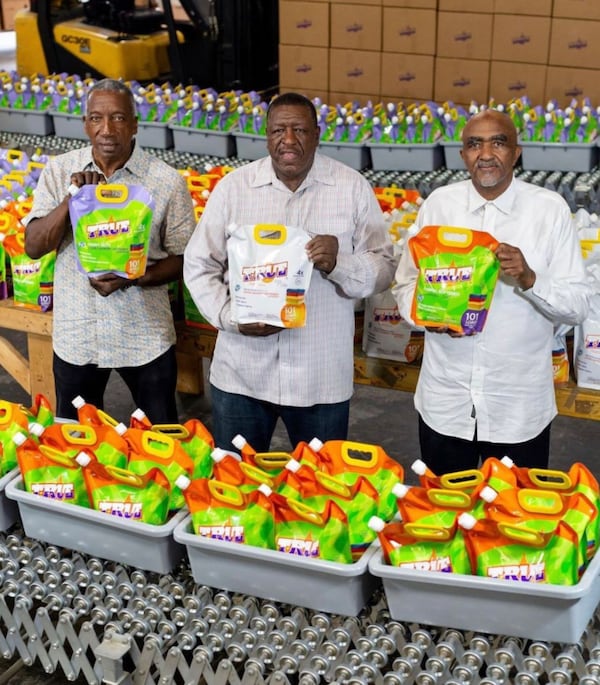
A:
[(152, 386), (445, 454)]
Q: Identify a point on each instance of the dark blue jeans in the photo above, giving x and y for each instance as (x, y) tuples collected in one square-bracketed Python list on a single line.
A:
[(256, 420), (445, 453), (152, 386)]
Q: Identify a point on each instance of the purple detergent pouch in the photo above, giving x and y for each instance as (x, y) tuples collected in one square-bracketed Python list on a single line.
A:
[(111, 228)]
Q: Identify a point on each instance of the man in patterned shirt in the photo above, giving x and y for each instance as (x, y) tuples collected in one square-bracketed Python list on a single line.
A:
[(109, 322)]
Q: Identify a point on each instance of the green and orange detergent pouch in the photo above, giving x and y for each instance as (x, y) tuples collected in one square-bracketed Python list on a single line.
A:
[(32, 279), (359, 501), (111, 228), (541, 510), (505, 551), (229, 468), (90, 415), (271, 463), (46, 472), (435, 506), (149, 449), (348, 460), (3, 281), (309, 532), (422, 546), (467, 480), (458, 270), (269, 274), (103, 441), (222, 511), (123, 494), (42, 411), (14, 418)]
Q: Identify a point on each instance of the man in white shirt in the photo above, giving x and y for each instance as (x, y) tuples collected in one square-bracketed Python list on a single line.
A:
[(492, 393), (304, 375)]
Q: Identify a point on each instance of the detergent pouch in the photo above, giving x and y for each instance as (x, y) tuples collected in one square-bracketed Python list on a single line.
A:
[(516, 553), (458, 271), (271, 463), (103, 441), (269, 274), (48, 473), (150, 450), (221, 511), (90, 415), (124, 494), (41, 410), (231, 469), (14, 419), (32, 279), (111, 229), (560, 358), (467, 480), (304, 531), (3, 281), (424, 547), (435, 506), (195, 440), (349, 460)]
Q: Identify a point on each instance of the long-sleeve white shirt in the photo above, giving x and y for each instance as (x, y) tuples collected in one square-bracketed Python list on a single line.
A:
[(301, 366), (500, 381)]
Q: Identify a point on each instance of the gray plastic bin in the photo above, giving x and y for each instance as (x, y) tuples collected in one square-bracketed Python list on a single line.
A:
[(203, 142), (151, 548), (68, 125), (156, 134), (406, 156), (9, 511), (249, 146), (312, 583), (25, 121), (355, 155), (538, 612), (452, 158), (540, 156)]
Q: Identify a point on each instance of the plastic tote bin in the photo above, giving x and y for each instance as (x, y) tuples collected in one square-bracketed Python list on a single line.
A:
[(312, 583), (538, 612), (25, 121), (68, 125), (9, 511), (156, 134), (151, 548), (203, 142), (558, 156), (355, 155), (249, 146), (406, 156), (452, 158)]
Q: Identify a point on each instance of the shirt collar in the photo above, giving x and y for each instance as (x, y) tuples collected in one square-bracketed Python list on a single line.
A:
[(136, 163), (503, 202), (320, 172)]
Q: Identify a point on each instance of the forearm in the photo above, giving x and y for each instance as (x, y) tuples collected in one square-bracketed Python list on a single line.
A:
[(164, 271), (45, 234)]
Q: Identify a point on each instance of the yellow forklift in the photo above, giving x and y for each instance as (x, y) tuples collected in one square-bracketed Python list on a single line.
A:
[(210, 47)]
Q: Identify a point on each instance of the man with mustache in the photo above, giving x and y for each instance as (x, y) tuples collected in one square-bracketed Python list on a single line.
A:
[(492, 393)]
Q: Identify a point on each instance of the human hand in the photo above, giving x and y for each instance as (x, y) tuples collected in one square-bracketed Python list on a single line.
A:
[(83, 178), (108, 283), (322, 251), (513, 263), (258, 329)]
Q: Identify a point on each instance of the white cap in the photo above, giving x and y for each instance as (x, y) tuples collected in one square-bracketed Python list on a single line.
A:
[(399, 490), (239, 441), (138, 414), (316, 445), (507, 461), (419, 467), (488, 494), (466, 521), (265, 489), (121, 428), (293, 465), (375, 523), (19, 438), (78, 402), (182, 482), (36, 429), (218, 454), (83, 459)]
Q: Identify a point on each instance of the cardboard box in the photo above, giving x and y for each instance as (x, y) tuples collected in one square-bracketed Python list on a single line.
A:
[(304, 23), (356, 2), (9, 12), (464, 36), (461, 81), (304, 68), (412, 4), (541, 8), (406, 76), (409, 30), (576, 9), (564, 84), (361, 99), (521, 39), (310, 93), (510, 80), (355, 26), (574, 43), (353, 71), (483, 6)]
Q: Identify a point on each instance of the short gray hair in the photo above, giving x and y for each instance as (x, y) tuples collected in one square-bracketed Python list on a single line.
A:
[(115, 86)]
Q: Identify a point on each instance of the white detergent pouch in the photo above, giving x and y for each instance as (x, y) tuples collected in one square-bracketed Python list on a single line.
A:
[(586, 343), (269, 274)]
